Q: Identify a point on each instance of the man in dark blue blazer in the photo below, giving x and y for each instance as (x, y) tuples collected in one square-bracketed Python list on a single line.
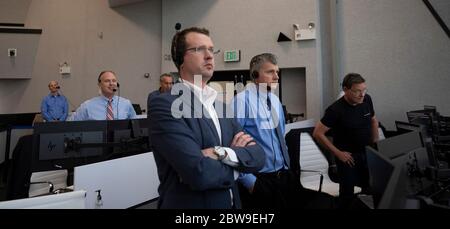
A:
[(198, 150)]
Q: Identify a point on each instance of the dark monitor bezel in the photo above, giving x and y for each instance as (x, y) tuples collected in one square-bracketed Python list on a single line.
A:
[(108, 146), (399, 145), (117, 130), (380, 171), (388, 181), (38, 165)]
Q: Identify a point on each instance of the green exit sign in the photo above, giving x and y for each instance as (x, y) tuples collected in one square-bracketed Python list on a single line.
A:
[(232, 56)]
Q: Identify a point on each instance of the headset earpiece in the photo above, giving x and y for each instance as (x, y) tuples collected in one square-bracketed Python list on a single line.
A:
[(255, 75), (177, 55)]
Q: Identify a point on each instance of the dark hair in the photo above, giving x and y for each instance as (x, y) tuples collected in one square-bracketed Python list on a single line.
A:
[(101, 73), (350, 79), (258, 60), (179, 44)]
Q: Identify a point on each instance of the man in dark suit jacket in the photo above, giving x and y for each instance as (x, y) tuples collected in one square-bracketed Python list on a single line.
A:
[(198, 152)]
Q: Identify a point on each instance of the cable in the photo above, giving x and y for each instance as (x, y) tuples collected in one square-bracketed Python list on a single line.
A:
[(118, 100)]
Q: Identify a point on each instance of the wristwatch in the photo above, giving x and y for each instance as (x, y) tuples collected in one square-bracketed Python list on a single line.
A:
[(220, 152)]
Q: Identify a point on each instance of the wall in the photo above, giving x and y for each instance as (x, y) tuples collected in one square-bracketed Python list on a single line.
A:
[(91, 37), (253, 27), (442, 7), (326, 65), (293, 82), (401, 51), (14, 11)]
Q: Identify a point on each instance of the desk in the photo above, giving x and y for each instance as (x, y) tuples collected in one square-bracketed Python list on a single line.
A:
[(123, 182)]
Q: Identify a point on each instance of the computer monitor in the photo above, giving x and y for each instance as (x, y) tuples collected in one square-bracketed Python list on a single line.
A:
[(424, 117), (405, 127), (128, 137), (401, 144), (387, 181), (430, 107), (18, 119), (64, 145)]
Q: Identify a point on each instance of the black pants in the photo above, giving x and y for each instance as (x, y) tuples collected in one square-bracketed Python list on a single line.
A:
[(282, 189), (358, 175)]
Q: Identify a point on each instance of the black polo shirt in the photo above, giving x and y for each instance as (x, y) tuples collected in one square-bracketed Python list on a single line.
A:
[(351, 125)]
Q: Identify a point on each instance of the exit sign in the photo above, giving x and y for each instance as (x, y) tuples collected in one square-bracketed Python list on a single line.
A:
[(232, 56)]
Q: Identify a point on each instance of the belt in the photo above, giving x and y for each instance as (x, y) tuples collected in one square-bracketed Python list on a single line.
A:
[(276, 174)]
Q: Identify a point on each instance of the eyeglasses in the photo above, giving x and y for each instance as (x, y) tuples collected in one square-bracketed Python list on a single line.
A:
[(203, 49), (359, 92)]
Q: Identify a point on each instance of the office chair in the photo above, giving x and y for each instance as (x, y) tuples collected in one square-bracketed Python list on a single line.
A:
[(137, 108), (291, 118), (22, 183), (309, 163)]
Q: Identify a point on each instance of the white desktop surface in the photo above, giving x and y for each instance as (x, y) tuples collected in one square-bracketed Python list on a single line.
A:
[(68, 200), (141, 116), (124, 182)]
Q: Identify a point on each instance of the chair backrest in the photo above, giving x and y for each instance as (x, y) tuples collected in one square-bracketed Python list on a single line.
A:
[(311, 158), (293, 144), (58, 179), (307, 160), (305, 124), (38, 118), (137, 108)]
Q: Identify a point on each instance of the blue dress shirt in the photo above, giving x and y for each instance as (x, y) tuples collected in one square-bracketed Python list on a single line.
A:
[(252, 112), (95, 109), (54, 107)]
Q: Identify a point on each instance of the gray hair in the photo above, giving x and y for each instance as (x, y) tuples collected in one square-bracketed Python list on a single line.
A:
[(164, 75), (258, 60)]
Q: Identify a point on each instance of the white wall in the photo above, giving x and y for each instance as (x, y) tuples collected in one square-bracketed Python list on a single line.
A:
[(130, 46), (401, 51), (253, 27)]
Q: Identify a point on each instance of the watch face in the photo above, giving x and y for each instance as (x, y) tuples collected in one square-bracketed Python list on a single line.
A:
[(220, 152)]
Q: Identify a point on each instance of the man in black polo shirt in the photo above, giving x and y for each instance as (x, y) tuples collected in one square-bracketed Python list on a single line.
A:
[(354, 126)]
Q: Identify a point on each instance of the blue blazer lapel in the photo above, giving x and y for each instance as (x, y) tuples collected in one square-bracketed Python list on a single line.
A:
[(191, 102)]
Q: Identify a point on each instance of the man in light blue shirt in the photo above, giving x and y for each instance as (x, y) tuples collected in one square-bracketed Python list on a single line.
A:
[(54, 106), (260, 114), (97, 108)]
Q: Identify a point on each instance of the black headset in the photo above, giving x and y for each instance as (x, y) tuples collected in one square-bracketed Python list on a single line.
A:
[(177, 53), (255, 75)]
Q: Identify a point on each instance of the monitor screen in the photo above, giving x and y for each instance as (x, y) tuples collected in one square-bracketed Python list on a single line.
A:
[(19, 119), (424, 117), (129, 137), (380, 171), (399, 145), (387, 181), (63, 145), (405, 127)]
